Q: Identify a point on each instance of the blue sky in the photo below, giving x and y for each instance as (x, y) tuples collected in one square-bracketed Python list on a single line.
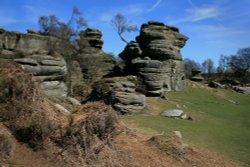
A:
[(214, 27)]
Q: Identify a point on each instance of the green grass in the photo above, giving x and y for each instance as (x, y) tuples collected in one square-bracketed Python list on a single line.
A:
[(221, 120)]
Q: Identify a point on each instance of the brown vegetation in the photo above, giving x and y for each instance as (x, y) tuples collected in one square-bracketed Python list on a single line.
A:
[(90, 136), (7, 146), (23, 108)]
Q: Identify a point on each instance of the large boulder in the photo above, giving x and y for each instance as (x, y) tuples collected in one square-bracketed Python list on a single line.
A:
[(120, 93), (214, 84), (156, 58), (175, 113), (241, 89)]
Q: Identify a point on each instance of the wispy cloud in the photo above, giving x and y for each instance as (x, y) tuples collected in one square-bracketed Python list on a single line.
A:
[(6, 21), (154, 6), (8, 16), (219, 36), (213, 31), (133, 10), (33, 12), (129, 10), (198, 14), (191, 3), (106, 17)]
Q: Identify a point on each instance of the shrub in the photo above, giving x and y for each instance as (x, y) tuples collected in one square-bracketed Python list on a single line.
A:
[(7, 146), (33, 132), (22, 106), (90, 129), (102, 124), (80, 89), (18, 92)]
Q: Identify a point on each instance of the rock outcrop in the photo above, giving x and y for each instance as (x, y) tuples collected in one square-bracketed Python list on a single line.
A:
[(241, 89), (120, 93), (34, 52), (156, 58), (45, 57), (214, 84), (93, 36), (94, 63), (196, 75)]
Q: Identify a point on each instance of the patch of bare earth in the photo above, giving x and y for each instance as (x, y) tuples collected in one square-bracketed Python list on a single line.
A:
[(173, 153)]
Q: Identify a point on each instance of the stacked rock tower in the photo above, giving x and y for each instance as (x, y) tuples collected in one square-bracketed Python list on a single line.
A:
[(156, 58)]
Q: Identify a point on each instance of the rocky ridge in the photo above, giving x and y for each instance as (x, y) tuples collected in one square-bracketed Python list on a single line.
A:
[(33, 52), (154, 59)]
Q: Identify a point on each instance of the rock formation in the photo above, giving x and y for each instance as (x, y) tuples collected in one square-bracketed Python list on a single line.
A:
[(156, 58), (45, 57), (120, 93), (94, 63), (93, 36), (34, 52), (241, 89), (196, 75), (94, 53)]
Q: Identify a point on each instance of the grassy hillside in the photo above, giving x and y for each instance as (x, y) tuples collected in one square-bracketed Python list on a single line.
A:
[(221, 119)]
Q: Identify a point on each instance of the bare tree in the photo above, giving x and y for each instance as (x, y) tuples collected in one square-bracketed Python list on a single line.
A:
[(223, 66), (208, 66), (236, 66), (51, 25), (190, 65), (67, 34), (121, 25), (240, 64)]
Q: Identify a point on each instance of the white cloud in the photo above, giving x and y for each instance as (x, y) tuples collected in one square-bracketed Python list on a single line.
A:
[(104, 17), (129, 11), (155, 6), (7, 16), (220, 32), (219, 36), (197, 14), (6, 21), (132, 10), (32, 13)]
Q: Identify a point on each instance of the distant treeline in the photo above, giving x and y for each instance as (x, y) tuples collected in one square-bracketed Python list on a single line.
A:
[(235, 66)]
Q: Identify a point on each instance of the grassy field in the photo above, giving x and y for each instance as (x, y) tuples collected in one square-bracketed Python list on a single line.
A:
[(221, 119)]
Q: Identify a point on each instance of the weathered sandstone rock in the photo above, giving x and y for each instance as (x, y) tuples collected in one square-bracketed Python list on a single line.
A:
[(33, 52), (120, 93), (156, 58)]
